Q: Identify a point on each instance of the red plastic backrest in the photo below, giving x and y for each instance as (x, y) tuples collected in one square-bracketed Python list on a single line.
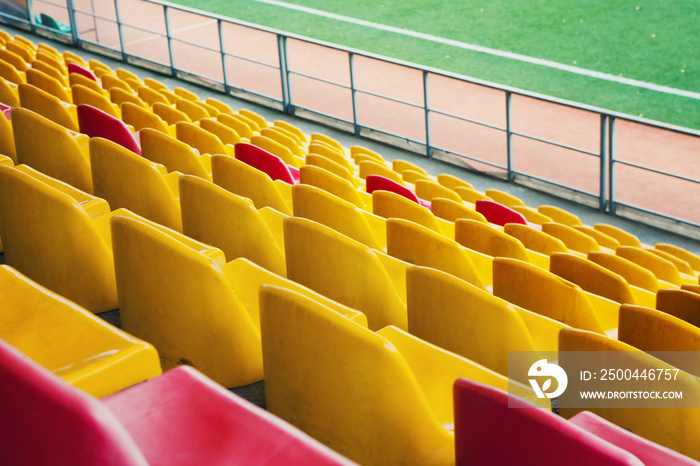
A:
[(44, 420), (499, 214), (266, 162), (380, 183), (74, 68), (489, 430), (98, 124)]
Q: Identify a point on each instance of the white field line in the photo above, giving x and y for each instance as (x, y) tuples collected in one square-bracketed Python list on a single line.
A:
[(487, 50)]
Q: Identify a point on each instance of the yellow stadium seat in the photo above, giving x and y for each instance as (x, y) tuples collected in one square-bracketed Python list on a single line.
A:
[(278, 135), (336, 185), (191, 109), (48, 84), (141, 118), (275, 148), (49, 238), (25, 54), (399, 166), (291, 134), (84, 350), (452, 182), (51, 59), (10, 73), (151, 96), (531, 215), (176, 156), (292, 129), (125, 74), (86, 96), (540, 291), (666, 335), (635, 274), (109, 82), (236, 124), (387, 204), (13, 59), (683, 266), (118, 96), (375, 168), (452, 211), (155, 84), (322, 138), (418, 245), (225, 134), (246, 181), (359, 150), (50, 70), (428, 190), (412, 176), (212, 215), (663, 269), (52, 149), (220, 106), (443, 310), (346, 218), (129, 181), (45, 104), (471, 195), (559, 215), (7, 140), (346, 271), (75, 78), (332, 153), (185, 94), (681, 253), (601, 238), (672, 428), (535, 240), (333, 167), (572, 238), (201, 139), (169, 114), (504, 198), (9, 94), (680, 303)]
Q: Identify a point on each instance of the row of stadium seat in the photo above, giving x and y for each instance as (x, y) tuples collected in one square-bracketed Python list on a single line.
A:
[(252, 251)]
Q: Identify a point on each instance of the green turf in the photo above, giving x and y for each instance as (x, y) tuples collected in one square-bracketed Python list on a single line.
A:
[(650, 41)]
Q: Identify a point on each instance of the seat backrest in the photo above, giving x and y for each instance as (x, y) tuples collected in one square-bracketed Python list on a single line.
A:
[(332, 183), (192, 110), (367, 168), (8, 93), (559, 215), (540, 291), (84, 95), (325, 208), (660, 267), (215, 216), (388, 204), (681, 253), (75, 78), (331, 166), (119, 95), (283, 137), (634, 274), (623, 237), (429, 190), (51, 149), (81, 70), (264, 161), (504, 198), (75, 428), (380, 183), (201, 139), (486, 239), (151, 96), (335, 155), (45, 104), (531, 215), (161, 148), (225, 134), (49, 84), (98, 124), (452, 210), (247, 181), (497, 213), (205, 325), (418, 245), (236, 124), (573, 238), (680, 303), (10, 73), (140, 118), (169, 114), (603, 239), (129, 181), (471, 195), (452, 182), (7, 139), (399, 166), (300, 338), (682, 265), (342, 269), (275, 148), (591, 277), (485, 415), (49, 238), (359, 150)]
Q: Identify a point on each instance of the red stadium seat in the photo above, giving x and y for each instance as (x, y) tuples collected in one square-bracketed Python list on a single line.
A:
[(98, 124), (652, 454), (6, 110), (183, 417), (380, 183), (266, 162), (499, 214), (75, 68), (493, 427)]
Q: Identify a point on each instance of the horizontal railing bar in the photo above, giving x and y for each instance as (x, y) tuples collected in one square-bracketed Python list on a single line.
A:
[(654, 170)]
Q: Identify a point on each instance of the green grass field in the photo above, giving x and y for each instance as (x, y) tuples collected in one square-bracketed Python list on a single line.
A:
[(650, 41)]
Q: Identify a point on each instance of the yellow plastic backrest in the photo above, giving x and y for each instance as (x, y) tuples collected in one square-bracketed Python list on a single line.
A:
[(75, 78), (653, 330), (7, 161), (331, 166), (374, 168), (301, 337), (151, 96), (531, 215), (315, 137), (47, 105), (235, 124), (671, 428), (573, 239), (591, 277), (84, 95), (48, 84), (428, 190), (118, 96), (560, 215), (540, 291), (20, 51), (452, 182), (169, 114), (601, 238), (682, 266), (202, 140), (504, 198), (124, 74), (287, 141), (399, 166), (155, 84), (334, 184), (50, 70), (359, 150), (342, 269), (67, 339), (246, 181), (484, 238), (412, 176), (49, 238), (681, 253), (51, 149), (275, 148), (7, 140), (292, 129), (660, 267), (140, 118), (634, 274), (13, 59), (680, 303), (452, 211), (416, 244), (109, 82), (330, 210), (161, 148), (8, 93), (212, 215), (442, 309), (330, 153), (471, 195), (535, 240), (220, 106), (192, 110), (225, 134), (185, 94), (179, 300), (387, 204), (10, 73), (252, 124), (146, 193)]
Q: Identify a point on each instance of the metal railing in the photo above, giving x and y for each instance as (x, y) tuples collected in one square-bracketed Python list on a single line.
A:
[(599, 148)]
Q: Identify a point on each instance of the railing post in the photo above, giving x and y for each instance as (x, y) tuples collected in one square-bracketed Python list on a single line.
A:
[(353, 93), (509, 138), (611, 164), (223, 54), (74, 23), (603, 160), (426, 107), (284, 75), (170, 40), (119, 28)]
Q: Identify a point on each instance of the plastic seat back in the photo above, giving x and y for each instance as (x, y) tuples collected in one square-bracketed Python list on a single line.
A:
[(225, 134), (452, 210), (660, 267), (75, 78), (331, 166), (236, 124), (573, 238), (48, 84), (380, 183), (486, 239), (8, 93), (169, 114), (497, 213), (591, 277), (559, 215), (504, 198), (601, 238), (201, 139), (264, 161), (429, 190), (634, 274), (83, 95), (151, 96), (368, 168), (81, 70), (275, 148), (129, 181), (140, 118), (332, 183), (49, 238), (623, 237), (680, 303), (45, 104), (98, 124), (388, 204), (681, 253), (159, 147), (7, 140)]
